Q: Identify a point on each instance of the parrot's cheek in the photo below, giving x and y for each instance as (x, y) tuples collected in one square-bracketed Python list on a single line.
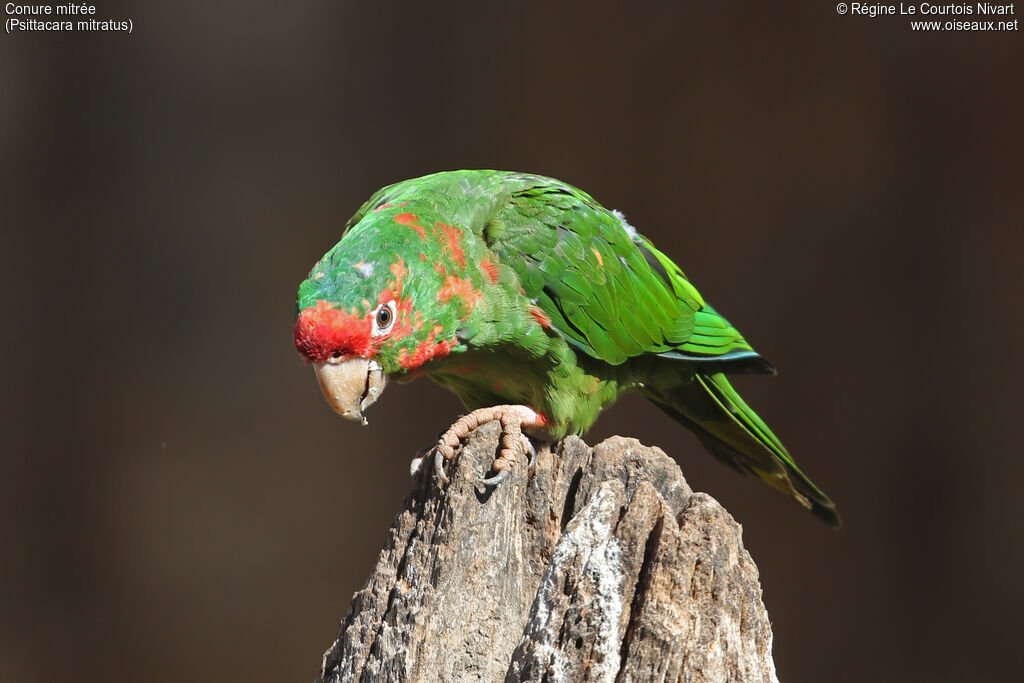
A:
[(350, 386)]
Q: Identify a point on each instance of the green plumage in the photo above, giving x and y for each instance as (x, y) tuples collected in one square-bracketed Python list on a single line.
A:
[(558, 304)]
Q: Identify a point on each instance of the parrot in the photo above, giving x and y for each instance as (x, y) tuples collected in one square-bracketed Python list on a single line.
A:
[(537, 307)]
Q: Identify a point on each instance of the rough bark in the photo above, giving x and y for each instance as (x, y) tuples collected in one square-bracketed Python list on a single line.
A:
[(600, 564)]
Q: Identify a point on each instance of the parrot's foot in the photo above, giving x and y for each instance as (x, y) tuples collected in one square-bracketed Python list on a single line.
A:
[(513, 418)]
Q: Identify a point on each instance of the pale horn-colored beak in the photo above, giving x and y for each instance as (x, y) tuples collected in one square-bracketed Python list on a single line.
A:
[(351, 385)]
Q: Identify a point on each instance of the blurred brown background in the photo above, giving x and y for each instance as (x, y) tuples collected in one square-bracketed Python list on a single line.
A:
[(179, 504)]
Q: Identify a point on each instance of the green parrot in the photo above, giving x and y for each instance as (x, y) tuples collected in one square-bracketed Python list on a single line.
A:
[(538, 307)]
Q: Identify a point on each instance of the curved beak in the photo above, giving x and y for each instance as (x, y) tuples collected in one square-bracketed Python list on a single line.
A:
[(350, 386)]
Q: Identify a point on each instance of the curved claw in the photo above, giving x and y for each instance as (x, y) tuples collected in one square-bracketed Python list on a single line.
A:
[(529, 448), (496, 479), (439, 467)]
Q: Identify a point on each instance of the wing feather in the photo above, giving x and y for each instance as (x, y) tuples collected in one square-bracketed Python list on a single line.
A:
[(607, 290)]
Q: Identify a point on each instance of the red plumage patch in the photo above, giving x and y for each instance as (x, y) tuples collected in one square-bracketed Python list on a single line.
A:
[(456, 286), (453, 236), (425, 351), (490, 269), (413, 221), (322, 330), (540, 316), (405, 320), (394, 289), (398, 268)]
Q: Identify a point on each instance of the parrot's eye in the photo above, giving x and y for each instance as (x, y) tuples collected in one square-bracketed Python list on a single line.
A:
[(384, 318)]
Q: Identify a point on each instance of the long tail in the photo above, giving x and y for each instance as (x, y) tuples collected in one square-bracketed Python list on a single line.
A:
[(734, 433)]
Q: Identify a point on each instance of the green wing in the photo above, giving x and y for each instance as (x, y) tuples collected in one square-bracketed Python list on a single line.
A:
[(612, 294), (607, 289)]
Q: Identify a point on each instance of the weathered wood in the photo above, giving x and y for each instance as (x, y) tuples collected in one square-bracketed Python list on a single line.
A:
[(600, 564)]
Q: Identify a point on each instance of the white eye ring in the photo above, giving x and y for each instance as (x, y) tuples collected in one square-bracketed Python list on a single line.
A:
[(383, 319)]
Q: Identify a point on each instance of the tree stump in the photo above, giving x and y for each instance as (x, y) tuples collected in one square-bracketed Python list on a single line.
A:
[(599, 564)]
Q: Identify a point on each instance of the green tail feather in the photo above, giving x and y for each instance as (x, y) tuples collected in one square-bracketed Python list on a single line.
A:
[(733, 432)]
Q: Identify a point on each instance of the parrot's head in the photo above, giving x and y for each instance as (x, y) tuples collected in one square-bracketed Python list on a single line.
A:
[(386, 300)]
